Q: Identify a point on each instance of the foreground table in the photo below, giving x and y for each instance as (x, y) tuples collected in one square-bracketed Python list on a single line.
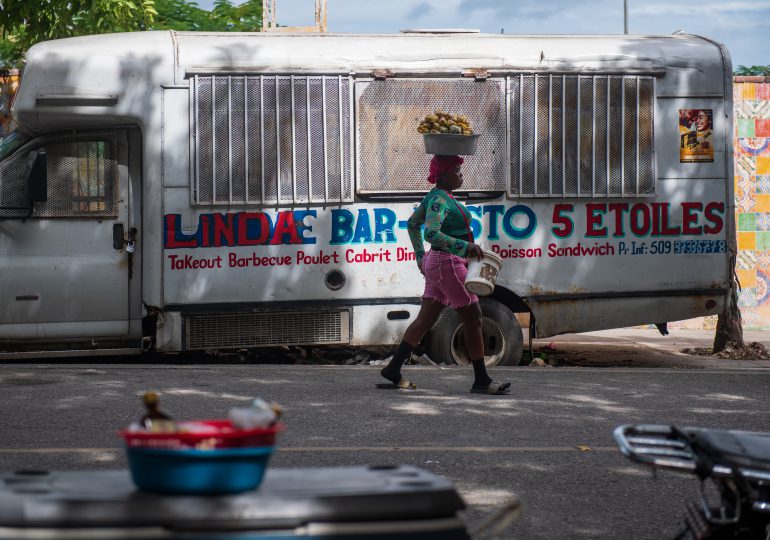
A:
[(319, 503)]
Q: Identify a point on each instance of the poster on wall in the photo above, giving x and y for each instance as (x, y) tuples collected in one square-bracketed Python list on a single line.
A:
[(696, 144), (9, 84)]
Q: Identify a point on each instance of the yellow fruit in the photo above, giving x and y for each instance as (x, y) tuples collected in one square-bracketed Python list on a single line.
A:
[(444, 122)]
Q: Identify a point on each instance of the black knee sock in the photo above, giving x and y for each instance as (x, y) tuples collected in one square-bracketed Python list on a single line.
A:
[(481, 377), (392, 371)]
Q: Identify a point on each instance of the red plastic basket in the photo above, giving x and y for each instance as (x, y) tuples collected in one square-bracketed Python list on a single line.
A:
[(208, 434)]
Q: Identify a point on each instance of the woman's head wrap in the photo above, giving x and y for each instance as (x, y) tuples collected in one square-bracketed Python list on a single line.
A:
[(442, 164)]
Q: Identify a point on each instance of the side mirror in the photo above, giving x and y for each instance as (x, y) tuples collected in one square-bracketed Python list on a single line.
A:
[(37, 177)]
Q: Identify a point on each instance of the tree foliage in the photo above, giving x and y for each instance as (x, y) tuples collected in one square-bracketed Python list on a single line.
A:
[(225, 17), (753, 70), (26, 22)]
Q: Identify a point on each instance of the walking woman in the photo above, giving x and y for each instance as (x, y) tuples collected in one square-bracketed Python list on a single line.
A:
[(448, 231)]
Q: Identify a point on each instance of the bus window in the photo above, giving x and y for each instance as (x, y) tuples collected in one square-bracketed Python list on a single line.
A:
[(82, 179), (13, 141)]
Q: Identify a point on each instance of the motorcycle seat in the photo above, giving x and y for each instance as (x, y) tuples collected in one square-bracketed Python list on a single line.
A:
[(736, 448)]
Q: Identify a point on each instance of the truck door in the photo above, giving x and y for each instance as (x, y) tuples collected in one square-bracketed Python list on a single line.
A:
[(65, 269)]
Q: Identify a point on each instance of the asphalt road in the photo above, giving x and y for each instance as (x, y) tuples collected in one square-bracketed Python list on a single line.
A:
[(548, 443)]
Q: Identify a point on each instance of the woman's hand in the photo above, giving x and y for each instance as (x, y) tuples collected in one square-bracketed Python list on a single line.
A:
[(474, 250), (419, 265)]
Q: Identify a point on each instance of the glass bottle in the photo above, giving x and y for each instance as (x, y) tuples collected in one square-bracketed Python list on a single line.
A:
[(154, 420)]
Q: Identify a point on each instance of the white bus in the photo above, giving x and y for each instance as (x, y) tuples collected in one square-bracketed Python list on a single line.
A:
[(183, 191)]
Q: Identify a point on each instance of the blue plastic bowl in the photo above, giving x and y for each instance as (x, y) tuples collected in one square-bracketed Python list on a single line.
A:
[(198, 472)]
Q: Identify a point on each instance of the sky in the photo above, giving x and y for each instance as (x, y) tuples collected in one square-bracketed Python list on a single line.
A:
[(743, 26)]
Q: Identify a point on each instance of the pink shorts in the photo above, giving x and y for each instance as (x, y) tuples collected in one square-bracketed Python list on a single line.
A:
[(445, 279)]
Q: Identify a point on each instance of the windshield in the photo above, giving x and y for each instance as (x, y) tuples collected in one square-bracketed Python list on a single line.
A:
[(10, 143)]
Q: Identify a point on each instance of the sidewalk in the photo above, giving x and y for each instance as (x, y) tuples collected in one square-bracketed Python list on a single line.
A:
[(642, 347)]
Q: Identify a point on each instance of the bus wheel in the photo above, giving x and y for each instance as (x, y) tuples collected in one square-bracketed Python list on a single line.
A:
[(503, 340)]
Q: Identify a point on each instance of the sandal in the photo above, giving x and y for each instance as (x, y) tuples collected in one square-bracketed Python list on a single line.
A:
[(494, 389), (402, 384)]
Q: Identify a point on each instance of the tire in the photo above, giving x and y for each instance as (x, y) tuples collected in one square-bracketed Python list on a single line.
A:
[(503, 339)]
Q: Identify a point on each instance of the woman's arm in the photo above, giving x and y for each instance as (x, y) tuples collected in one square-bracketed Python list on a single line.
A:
[(434, 217), (414, 226)]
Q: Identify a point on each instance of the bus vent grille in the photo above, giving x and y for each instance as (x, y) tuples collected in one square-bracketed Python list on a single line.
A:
[(589, 136), (264, 329), (271, 139), (392, 154)]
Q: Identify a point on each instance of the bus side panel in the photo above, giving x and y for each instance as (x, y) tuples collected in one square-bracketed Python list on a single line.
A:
[(208, 258), (676, 241), (573, 316)]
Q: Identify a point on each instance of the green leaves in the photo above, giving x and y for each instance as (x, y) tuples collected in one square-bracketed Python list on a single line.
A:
[(105, 16), (752, 70), (26, 22), (225, 17)]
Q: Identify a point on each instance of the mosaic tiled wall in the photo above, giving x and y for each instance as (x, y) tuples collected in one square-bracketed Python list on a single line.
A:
[(751, 98)]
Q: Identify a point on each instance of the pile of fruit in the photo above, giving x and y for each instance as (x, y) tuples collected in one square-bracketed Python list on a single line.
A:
[(441, 122)]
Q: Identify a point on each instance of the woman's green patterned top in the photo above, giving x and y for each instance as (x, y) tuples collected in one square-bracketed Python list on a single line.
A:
[(446, 224)]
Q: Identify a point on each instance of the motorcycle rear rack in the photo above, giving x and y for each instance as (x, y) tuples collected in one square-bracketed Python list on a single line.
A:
[(667, 447), (656, 446)]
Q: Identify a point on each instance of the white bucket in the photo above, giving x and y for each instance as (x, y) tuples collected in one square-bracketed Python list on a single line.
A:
[(482, 274)]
